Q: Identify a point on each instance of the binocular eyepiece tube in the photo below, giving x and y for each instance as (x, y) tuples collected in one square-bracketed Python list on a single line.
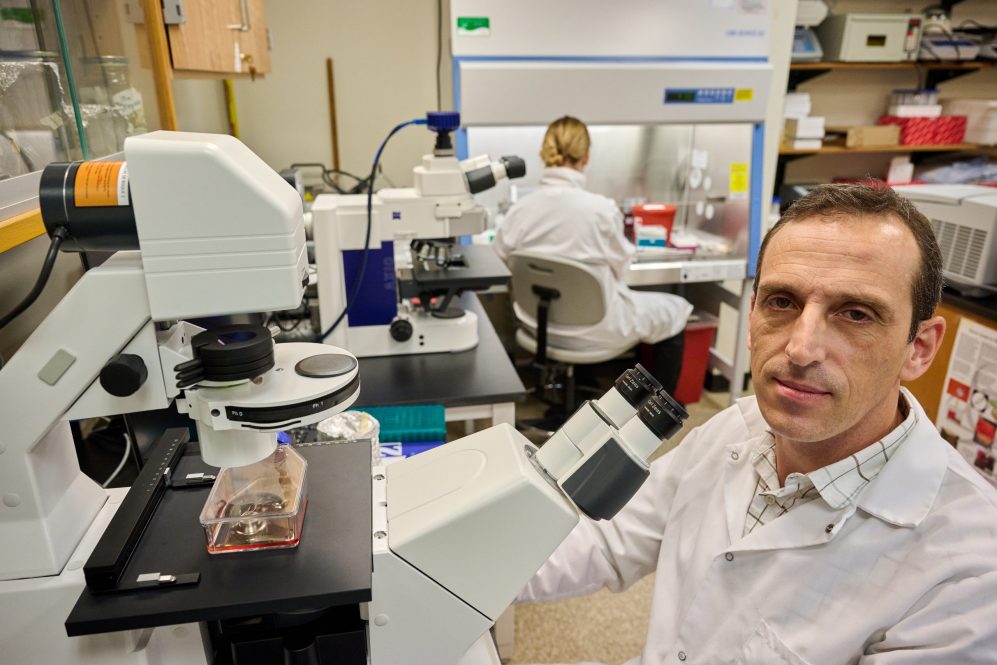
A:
[(599, 456)]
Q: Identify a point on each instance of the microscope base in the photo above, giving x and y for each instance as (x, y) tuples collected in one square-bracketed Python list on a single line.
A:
[(429, 335)]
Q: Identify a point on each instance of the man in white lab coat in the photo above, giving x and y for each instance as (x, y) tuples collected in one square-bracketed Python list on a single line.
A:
[(823, 520)]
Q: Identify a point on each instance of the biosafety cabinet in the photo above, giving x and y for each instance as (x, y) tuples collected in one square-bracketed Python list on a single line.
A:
[(674, 94)]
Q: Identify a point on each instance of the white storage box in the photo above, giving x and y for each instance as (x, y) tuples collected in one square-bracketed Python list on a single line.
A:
[(981, 118)]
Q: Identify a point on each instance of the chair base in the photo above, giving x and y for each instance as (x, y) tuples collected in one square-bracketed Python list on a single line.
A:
[(569, 356)]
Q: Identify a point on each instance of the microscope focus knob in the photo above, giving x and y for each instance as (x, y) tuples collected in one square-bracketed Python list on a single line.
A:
[(401, 330), (123, 374)]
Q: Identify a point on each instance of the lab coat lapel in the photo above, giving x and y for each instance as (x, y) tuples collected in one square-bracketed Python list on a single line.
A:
[(803, 526), (813, 523), (738, 486)]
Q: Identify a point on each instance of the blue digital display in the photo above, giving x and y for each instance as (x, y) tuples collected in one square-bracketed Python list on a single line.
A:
[(699, 95)]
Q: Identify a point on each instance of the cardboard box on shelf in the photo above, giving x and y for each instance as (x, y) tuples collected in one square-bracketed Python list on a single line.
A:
[(875, 135)]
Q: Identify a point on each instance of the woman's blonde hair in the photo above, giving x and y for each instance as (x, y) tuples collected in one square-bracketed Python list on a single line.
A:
[(566, 142)]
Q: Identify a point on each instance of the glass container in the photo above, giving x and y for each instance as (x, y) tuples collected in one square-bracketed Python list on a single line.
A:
[(112, 109), (257, 506), (36, 119)]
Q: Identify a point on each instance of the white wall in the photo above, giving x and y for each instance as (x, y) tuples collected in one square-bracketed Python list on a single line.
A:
[(384, 55), (200, 106)]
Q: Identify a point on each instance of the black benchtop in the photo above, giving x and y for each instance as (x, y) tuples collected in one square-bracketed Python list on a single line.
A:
[(331, 565), (482, 375), (985, 307)]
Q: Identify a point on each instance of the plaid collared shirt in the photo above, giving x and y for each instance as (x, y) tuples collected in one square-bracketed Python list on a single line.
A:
[(838, 484)]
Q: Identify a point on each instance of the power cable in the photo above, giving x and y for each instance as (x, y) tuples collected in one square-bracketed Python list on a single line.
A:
[(351, 299), (58, 236), (439, 54), (121, 464)]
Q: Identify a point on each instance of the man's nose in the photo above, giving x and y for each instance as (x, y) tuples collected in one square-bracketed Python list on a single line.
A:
[(808, 338)]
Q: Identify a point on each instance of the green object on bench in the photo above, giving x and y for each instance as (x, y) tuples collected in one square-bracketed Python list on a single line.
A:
[(425, 422)]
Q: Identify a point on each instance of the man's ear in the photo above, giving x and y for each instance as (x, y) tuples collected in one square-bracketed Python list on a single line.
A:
[(923, 348)]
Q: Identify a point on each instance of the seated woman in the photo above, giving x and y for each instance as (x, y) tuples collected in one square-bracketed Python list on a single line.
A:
[(562, 219)]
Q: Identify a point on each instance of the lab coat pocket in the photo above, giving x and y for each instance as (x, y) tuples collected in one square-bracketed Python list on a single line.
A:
[(765, 648)]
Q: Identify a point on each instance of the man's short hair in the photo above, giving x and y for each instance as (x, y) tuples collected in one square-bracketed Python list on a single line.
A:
[(837, 201)]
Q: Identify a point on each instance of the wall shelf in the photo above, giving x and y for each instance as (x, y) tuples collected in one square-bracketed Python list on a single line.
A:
[(968, 64), (932, 73), (840, 149), (787, 155)]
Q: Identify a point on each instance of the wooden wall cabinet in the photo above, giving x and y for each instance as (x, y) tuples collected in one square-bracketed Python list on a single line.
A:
[(219, 38)]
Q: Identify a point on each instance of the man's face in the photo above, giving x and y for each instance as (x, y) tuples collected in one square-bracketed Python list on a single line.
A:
[(828, 328)]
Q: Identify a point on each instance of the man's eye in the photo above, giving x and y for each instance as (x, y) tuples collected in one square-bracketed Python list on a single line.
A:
[(856, 315), (780, 302)]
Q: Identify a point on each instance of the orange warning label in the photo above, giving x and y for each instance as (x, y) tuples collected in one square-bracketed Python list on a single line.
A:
[(101, 184)]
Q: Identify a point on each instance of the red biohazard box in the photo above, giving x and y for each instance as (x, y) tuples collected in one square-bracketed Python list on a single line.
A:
[(950, 129), (943, 130), (699, 333), (913, 131)]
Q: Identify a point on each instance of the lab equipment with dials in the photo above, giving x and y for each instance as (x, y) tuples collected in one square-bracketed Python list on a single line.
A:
[(388, 264), (806, 45), (855, 37), (942, 41), (453, 534)]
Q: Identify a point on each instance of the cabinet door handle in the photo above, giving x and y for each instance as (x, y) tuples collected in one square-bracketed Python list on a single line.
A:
[(248, 59), (243, 16)]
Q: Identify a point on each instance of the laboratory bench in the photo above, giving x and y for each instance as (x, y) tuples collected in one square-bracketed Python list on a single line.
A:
[(985, 307), (644, 272), (480, 383)]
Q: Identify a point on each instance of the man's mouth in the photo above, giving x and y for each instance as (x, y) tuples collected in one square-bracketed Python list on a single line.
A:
[(802, 388)]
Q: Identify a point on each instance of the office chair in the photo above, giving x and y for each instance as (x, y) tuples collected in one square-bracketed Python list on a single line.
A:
[(565, 292)]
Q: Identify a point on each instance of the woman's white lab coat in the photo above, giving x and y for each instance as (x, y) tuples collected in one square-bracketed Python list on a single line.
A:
[(561, 218), (908, 575)]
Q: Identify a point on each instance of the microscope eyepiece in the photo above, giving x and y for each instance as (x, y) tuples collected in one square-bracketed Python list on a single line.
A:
[(662, 415), (515, 167), (636, 385)]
